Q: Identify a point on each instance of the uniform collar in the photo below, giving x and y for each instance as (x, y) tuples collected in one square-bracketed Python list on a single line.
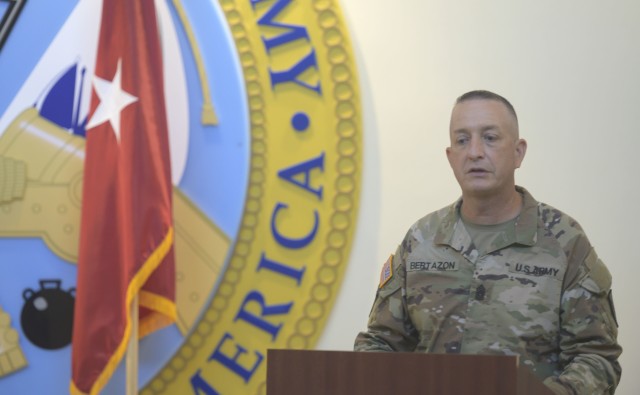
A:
[(453, 233)]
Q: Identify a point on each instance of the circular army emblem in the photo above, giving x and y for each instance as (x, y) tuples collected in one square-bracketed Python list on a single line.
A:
[(265, 132)]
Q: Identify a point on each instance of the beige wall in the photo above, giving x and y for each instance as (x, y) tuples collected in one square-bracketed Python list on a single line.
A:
[(572, 70)]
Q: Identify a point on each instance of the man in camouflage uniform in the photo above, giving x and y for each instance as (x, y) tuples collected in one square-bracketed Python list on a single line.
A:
[(498, 272)]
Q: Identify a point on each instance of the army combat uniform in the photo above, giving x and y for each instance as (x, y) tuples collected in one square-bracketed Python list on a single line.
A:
[(536, 289)]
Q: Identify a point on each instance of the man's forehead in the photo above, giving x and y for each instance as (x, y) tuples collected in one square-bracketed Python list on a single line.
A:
[(481, 105), (480, 112)]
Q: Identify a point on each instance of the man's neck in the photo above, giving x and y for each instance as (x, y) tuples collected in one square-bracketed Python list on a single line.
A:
[(493, 210)]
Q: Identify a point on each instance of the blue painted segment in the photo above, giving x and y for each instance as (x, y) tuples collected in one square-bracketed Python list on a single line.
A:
[(30, 37), (3, 9), (58, 105), (216, 174)]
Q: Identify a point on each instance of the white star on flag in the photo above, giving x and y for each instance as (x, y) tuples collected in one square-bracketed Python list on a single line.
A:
[(112, 101)]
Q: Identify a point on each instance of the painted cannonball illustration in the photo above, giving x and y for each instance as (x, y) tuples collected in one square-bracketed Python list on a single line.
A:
[(47, 315)]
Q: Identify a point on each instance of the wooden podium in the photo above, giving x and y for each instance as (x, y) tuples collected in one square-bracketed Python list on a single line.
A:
[(308, 372)]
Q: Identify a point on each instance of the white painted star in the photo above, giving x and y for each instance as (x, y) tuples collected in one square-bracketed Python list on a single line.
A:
[(112, 101)]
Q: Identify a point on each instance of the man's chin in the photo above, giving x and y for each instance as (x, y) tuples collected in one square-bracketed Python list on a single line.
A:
[(478, 190), (478, 184)]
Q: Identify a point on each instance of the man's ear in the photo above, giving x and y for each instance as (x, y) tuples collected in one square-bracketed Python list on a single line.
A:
[(521, 151)]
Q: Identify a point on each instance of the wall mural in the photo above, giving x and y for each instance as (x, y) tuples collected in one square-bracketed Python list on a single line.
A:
[(265, 132)]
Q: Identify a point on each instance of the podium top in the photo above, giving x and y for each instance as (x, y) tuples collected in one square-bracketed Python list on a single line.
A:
[(312, 372)]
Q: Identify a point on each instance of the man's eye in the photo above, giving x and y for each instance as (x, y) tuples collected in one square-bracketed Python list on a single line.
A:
[(490, 137), (461, 140)]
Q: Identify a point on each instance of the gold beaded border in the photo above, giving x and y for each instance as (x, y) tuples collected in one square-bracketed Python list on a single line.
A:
[(347, 165), (344, 201)]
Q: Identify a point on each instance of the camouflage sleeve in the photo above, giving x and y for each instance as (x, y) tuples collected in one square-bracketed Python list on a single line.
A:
[(389, 327), (588, 334)]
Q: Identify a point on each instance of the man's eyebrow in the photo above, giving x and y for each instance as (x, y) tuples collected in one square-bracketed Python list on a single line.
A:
[(483, 128), (489, 127)]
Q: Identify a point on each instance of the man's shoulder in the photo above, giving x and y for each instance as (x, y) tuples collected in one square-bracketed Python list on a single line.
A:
[(553, 220), (432, 225), (558, 230), (558, 222), (435, 218)]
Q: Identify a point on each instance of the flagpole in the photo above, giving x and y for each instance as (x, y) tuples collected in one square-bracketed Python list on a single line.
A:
[(132, 351)]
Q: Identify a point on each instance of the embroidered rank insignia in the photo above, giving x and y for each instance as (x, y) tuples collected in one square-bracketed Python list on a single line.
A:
[(387, 272)]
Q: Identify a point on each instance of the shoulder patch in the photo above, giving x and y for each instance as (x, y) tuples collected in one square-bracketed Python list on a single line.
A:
[(598, 279), (387, 271)]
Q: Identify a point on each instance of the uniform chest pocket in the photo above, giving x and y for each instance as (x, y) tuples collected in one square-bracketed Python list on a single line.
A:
[(436, 279), (529, 290), (519, 302), (436, 288)]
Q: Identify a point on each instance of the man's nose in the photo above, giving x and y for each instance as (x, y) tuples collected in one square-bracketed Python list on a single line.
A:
[(476, 148)]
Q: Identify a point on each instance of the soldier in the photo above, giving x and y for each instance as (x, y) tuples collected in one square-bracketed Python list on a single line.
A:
[(498, 272)]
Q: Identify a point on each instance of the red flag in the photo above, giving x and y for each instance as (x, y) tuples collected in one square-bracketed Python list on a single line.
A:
[(126, 242)]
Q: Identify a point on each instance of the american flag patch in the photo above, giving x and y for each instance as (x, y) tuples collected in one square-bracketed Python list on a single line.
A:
[(387, 272)]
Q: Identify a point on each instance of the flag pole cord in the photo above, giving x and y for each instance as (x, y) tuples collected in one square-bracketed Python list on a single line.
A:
[(132, 351)]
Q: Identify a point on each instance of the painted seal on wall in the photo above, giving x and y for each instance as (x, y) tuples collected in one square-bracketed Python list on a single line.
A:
[(266, 181)]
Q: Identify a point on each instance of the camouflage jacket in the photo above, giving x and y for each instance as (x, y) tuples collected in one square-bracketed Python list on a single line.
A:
[(540, 292)]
